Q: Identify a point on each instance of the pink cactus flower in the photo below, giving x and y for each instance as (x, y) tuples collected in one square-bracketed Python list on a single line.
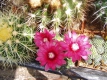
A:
[(41, 38), (50, 55), (76, 46)]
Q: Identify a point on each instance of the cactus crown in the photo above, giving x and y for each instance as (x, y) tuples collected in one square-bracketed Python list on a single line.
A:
[(16, 45)]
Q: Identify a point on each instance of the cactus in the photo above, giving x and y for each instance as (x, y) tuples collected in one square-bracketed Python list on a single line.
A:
[(67, 15), (75, 12), (101, 7), (99, 51), (16, 45)]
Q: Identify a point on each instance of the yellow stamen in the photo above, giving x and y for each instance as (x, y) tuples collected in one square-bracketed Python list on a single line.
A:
[(5, 33)]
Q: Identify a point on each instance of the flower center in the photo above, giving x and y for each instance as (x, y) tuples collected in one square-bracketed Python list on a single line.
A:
[(75, 46), (51, 55), (5, 33), (45, 40)]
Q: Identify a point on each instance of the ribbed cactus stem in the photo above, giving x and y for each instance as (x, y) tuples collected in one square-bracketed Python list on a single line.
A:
[(16, 39)]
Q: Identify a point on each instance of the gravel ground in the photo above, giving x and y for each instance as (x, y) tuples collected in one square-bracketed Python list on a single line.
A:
[(23, 73)]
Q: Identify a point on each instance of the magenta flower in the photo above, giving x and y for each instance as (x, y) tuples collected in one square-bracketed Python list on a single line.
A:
[(76, 46), (50, 55), (41, 38)]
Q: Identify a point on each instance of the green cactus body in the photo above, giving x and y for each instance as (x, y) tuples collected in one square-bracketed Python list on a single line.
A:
[(16, 45), (98, 50)]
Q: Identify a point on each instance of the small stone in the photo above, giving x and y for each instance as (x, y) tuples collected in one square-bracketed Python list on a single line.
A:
[(35, 3)]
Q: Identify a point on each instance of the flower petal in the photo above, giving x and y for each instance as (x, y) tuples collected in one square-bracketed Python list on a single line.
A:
[(85, 57), (82, 48), (46, 67)]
